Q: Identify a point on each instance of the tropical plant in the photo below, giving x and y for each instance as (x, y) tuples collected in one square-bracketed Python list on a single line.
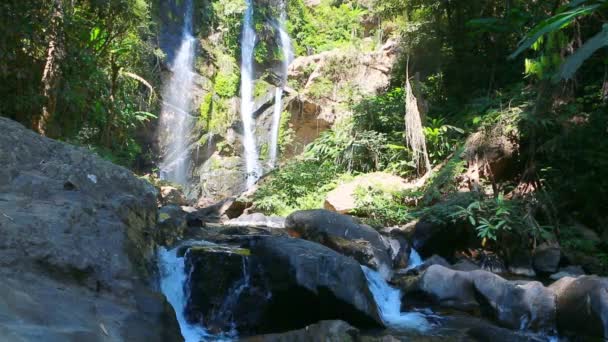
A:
[(565, 18)]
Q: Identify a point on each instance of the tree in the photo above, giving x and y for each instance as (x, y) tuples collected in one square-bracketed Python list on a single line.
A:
[(52, 72)]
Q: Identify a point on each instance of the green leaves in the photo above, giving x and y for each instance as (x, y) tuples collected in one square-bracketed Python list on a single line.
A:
[(576, 60), (555, 23)]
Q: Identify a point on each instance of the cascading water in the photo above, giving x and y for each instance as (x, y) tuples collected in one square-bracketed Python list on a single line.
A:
[(172, 282), (278, 98), (388, 300), (252, 163), (176, 122), (415, 259)]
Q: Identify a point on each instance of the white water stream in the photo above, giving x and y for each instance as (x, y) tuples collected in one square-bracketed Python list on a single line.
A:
[(175, 121), (252, 163), (173, 279), (388, 300), (287, 58)]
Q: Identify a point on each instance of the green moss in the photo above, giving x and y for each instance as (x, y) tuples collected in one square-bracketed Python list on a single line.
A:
[(261, 88), (226, 84)]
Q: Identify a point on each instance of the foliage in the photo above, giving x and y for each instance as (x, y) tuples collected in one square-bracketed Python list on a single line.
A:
[(498, 217), (324, 27), (382, 208), (105, 91), (297, 185)]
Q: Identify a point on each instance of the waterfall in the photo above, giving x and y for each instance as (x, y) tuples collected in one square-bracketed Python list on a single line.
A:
[(415, 259), (388, 300), (176, 122), (278, 98), (252, 164), (173, 279)]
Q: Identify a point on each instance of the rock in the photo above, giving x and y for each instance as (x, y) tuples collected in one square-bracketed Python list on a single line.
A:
[(525, 307), (441, 238), (343, 234), (521, 264), (78, 233), (582, 306), (257, 220), (224, 290), (546, 259), (448, 288), (172, 195), (172, 224), (400, 251), (228, 208), (275, 284), (516, 306), (342, 199), (569, 271), (434, 260), (316, 280), (465, 265), (326, 331)]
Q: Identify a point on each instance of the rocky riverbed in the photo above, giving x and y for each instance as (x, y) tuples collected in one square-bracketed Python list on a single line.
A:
[(82, 234)]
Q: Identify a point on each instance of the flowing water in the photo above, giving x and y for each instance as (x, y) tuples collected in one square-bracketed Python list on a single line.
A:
[(278, 98), (388, 300), (175, 121), (415, 259), (248, 39), (173, 279)]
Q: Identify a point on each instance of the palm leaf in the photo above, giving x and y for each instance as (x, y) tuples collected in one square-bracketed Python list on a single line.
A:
[(552, 24), (574, 61)]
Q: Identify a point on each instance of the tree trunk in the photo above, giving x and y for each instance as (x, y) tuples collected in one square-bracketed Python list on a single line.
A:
[(51, 75)]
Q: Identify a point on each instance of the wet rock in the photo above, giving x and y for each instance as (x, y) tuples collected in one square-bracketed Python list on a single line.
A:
[(343, 234), (400, 251), (172, 195), (275, 284), (77, 232), (172, 223), (527, 307), (546, 259), (224, 290), (327, 331), (582, 306), (513, 305), (448, 288), (310, 282), (569, 271), (521, 264)]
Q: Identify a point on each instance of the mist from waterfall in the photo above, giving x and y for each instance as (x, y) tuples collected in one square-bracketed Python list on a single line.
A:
[(287, 58), (176, 121), (252, 164)]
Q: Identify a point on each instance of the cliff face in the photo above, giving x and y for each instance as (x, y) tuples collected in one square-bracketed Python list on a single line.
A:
[(321, 88)]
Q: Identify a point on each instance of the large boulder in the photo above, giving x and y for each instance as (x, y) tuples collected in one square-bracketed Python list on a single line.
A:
[(529, 306), (582, 306), (77, 232), (275, 284), (511, 304), (172, 223), (224, 290), (343, 234), (314, 282)]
